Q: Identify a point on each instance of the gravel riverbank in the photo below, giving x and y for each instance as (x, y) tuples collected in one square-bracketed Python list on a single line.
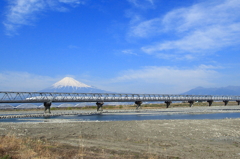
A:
[(164, 138)]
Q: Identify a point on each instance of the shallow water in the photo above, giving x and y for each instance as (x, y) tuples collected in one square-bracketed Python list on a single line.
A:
[(126, 117)]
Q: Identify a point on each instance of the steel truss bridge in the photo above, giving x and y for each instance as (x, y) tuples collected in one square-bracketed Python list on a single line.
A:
[(49, 97)]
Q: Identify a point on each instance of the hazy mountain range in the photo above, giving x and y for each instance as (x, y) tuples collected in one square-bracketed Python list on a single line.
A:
[(229, 90)]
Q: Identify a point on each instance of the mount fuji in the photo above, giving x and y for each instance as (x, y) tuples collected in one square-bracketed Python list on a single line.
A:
[(70, 85)]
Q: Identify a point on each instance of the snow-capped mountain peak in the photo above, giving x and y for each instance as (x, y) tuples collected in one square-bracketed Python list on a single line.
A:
[(69, 82), (70, 85)]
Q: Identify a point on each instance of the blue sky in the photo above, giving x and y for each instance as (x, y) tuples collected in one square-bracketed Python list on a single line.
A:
[(135, 46)]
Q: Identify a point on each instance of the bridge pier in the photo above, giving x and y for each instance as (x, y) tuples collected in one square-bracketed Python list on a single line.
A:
[(138, 103), (168, 103), (47, 106), (238, 102), (225, 102), (210, 103), (191, 103), (99, 106)]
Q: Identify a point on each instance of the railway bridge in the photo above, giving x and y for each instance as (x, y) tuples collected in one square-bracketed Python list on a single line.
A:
[(49, 97)]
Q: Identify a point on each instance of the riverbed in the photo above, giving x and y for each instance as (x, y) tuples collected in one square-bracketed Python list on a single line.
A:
[(186, 139), (216, 112)]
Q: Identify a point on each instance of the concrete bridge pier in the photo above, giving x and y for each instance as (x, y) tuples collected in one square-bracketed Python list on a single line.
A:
[(168, 103), (238, 102), (47, 106), (99, 106), (225, 102), (210, 103), (191, 102), (138, 103)]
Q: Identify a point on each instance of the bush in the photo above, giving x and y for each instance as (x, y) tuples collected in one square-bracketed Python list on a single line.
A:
[(110, 107), (53, 108), (6, 157)]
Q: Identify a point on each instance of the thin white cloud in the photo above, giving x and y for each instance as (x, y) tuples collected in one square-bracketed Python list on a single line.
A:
[(210, 67), (146, 28), (129, 52), (70, 1), (142, 3), (198, 29), (199, 41), (24, 12), (168, 56), (175, 79), (24, 81)]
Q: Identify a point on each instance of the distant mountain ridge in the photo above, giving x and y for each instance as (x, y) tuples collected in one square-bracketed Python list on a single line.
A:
[(229, 90), (70, 85)]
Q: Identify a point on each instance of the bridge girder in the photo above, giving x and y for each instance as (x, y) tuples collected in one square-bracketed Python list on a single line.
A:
[(40, 97), (50, 97)]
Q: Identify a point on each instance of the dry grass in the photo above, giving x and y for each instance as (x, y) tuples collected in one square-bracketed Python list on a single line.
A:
[(12, 147), (23, 147), (27, 148)]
